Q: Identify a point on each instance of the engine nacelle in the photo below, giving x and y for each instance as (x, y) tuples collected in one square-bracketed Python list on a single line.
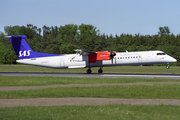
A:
[(104, 55)]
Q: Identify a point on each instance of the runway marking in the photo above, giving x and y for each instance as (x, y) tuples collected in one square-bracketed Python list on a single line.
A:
[(152, 76)]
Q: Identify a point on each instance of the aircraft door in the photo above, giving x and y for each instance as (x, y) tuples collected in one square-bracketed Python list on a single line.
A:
[(62, 62), (139, 59)]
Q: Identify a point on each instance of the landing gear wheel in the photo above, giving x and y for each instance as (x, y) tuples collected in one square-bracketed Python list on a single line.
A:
[(88, 71), (100, 70), (168, 66)]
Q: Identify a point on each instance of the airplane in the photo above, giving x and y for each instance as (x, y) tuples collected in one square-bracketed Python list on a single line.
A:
[(86, 59)]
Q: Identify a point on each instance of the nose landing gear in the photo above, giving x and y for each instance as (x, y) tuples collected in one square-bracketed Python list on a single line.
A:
[(168, 66)]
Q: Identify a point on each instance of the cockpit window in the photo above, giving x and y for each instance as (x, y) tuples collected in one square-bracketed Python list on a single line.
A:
[(161, 53)]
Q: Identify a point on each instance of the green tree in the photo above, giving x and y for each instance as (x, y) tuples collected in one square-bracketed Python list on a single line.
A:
[(164, 30), (87, 35), (68, 33), (12, 30), (2, 53)]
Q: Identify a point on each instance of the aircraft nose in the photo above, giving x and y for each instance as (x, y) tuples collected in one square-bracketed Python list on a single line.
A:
[(172, 60)]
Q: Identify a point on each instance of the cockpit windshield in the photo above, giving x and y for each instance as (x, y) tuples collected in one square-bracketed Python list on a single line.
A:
[(161, 53)]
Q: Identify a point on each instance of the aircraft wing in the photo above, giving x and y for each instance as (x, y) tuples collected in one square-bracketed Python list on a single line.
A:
[(94, 56), (84, 52)]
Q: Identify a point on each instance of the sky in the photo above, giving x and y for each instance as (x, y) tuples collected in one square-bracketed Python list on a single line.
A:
[(142, 17)]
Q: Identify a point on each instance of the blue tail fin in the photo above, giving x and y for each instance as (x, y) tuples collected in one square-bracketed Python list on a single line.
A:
[(23, 50)]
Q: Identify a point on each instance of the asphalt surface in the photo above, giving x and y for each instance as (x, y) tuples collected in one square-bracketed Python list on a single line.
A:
[(92, 75)]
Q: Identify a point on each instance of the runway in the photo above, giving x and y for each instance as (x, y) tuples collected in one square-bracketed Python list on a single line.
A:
[(93, 75)]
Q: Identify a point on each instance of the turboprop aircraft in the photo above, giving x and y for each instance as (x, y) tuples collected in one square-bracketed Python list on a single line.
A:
[(86, 59)]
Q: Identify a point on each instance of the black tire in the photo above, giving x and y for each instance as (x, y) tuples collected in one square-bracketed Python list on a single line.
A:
[(167, 66), (100, 71), (88, 71)]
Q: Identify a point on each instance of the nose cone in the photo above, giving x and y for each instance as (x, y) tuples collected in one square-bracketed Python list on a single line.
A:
[(174, 60), (171, 60)]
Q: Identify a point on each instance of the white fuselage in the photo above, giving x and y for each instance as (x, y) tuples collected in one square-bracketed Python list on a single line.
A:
[(81, 61)]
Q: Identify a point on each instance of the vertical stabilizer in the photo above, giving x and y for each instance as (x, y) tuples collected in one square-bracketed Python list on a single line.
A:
[(23, 50), (21, 47)]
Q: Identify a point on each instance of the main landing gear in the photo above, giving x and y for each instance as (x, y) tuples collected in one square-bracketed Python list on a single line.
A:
[(99, 71), (167, 66), (89, 71)]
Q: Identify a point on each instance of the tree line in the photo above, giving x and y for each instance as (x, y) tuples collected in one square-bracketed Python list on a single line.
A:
[(64, 39)]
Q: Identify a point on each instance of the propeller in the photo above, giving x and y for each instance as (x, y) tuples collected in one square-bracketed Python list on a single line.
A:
[(112, 54)]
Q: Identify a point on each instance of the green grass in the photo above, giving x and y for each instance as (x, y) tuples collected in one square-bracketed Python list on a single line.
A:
[(35, 81), (108, 112), (132, 91), (118, 69), (122, 112)]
